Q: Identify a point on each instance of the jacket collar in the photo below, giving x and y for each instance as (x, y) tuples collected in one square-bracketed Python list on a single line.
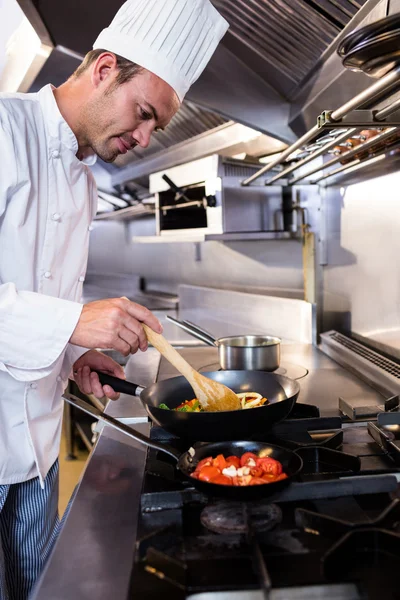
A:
[(57, 126)]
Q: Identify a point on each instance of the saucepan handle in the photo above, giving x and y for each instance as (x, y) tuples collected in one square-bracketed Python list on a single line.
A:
[(195, 331), (115, 424), (120, 385)]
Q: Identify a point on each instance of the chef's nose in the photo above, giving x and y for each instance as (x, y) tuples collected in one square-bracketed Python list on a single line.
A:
[(142, 136)]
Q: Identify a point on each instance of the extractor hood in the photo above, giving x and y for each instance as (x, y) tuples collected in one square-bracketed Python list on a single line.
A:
[(273, 72)]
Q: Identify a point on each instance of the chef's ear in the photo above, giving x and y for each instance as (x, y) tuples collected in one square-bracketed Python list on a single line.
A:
[(104, 68)]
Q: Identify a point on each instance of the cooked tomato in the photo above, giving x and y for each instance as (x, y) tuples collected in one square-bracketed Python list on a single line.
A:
[(222, 480), (256, 472), (257, 481), (233, 460), (220, 462), (259, 470), (208, 472), (269, 465), (244, 459)]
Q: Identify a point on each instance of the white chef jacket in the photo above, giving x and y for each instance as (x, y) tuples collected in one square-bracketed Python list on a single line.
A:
[(48, 199)]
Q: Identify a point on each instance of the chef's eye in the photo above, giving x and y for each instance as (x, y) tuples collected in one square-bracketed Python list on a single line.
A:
[(146, 116)]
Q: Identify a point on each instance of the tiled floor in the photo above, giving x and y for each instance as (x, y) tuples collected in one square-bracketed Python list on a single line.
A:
[(70, 472)]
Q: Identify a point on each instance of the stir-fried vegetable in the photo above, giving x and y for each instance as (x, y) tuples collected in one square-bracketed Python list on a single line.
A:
[(247, 400), (249, 469)]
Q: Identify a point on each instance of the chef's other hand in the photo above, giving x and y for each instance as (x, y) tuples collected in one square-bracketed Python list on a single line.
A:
[(115, 323), (88, 381)]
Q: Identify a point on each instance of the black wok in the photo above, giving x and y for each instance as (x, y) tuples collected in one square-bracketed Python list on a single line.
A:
[(186, 462), (281, 392)]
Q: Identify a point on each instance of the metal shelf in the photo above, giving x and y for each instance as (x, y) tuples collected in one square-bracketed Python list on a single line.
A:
[(129, 213), (252, 236), (351, 118)]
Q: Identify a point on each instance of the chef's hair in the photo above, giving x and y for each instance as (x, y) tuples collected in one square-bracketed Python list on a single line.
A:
[(127, 68)]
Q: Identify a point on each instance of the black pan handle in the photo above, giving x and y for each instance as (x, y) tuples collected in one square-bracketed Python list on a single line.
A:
[(119, 385), (132, 433)]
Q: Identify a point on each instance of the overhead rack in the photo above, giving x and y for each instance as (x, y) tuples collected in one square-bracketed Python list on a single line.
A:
[(342, 124)]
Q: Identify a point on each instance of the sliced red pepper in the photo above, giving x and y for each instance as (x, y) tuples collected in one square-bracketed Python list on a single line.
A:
[(222, 480), (257, 481), (220, 462), (208, 473), (281, 476), (204, 461)]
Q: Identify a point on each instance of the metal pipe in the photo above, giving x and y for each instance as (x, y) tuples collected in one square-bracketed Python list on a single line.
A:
[(365, 146), (311, 157), (307, 137), (385, 84), (339, 170), (355, 167)]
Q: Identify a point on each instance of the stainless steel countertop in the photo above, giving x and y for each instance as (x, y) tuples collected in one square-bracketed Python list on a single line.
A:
[(94, 553)]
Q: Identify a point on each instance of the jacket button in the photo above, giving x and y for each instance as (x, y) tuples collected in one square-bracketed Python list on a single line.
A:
[(47, 274), (59, 378), (55, 154), (33, 385), (81, 278), (56, 216), (90, 228)]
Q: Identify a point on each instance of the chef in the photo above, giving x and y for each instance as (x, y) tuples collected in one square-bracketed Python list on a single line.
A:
[(127, 88)]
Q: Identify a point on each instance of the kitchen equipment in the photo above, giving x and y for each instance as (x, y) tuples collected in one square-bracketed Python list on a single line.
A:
[(373, 49), (280, 391), (243, 352), (187, 461), (368, 32), (214, 396)]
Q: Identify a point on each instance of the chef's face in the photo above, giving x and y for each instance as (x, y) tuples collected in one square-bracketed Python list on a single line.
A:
[(118, 117)]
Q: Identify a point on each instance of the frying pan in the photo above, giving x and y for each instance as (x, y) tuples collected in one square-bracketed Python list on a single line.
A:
[(241, 352), (368, 33), (281, 392), (186, 462)]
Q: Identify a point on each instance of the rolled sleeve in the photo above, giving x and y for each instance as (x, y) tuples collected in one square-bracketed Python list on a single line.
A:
[(34, 331)]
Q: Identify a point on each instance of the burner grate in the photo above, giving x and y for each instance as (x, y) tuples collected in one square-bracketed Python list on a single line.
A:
[(230, 517)]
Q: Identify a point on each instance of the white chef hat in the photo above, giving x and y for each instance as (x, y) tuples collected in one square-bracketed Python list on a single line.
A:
[(174, 39)]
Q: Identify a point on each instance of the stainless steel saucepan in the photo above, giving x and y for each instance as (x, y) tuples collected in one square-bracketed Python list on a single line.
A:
[(239, 353)]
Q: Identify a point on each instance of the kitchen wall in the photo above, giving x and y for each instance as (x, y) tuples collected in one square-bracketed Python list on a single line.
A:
[(273, 266), (263, 266), (362, 278)]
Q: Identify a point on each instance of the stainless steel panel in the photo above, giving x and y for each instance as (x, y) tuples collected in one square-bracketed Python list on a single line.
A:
[(313, 592), (95, 549), (361, 281), (224, 310)]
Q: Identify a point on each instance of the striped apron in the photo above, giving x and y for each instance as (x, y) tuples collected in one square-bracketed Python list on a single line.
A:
[(28, 528)]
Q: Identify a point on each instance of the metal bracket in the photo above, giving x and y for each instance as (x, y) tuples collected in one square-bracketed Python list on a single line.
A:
[(356, 118)]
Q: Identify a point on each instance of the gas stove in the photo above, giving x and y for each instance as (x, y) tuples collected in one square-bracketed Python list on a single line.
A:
[(334, 533)]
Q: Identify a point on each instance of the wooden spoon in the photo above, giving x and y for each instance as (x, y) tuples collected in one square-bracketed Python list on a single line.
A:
[(212, 395)]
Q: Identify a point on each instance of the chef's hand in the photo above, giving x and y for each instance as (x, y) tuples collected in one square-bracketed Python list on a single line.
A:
[(88, 381), (116, 324)]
